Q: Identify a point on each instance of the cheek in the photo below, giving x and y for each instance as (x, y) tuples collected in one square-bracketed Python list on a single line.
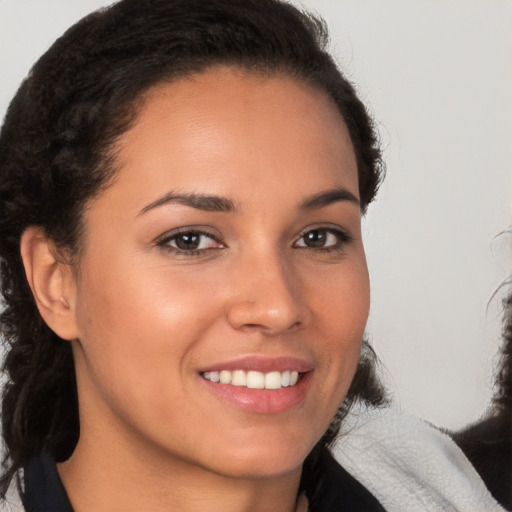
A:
[(342, 312), (341, 299), (137, 332), (128, 296), (133, 323)]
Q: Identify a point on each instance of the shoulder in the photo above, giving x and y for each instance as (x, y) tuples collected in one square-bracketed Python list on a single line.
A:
[(408, 464)]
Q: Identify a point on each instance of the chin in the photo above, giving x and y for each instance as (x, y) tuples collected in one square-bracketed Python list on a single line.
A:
[(270, 459), (269, 467)]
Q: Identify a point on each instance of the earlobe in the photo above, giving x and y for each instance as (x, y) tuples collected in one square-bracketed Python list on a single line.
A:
[(52, 282)]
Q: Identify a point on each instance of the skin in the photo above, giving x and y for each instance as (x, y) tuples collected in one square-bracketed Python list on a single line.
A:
[(144, 319)]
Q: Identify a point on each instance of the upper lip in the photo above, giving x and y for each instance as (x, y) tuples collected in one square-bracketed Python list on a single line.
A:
[(262, 364)]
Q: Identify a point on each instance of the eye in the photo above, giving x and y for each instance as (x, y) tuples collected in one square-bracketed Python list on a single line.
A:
[(323, 238), (190, 242)]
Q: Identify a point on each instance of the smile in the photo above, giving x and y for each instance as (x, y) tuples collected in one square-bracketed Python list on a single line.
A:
[(254, 379), (259, 384)]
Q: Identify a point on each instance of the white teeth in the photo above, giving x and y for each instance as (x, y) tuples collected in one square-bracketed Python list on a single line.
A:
[(253, 379), (239, 378), (273, 380), (225, 377)]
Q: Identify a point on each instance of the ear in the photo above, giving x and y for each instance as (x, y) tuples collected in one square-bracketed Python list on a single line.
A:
[(52, 282)]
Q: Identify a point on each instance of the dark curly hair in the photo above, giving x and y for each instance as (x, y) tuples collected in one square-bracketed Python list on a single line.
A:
[(56, 154), (488, 442)]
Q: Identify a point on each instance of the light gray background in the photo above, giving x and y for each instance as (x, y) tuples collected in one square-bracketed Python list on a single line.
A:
[(437, 76)]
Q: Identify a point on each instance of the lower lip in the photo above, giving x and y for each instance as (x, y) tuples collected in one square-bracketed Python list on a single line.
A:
[(263, 401)]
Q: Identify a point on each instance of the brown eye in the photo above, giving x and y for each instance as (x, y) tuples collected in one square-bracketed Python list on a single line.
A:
[(315, 238), (323, 238), (190, 242)]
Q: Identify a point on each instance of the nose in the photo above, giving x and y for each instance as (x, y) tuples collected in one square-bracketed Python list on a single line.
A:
[(267, 296)]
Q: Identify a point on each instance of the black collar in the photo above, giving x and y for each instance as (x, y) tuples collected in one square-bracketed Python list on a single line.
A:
[(338, 491), (44, 491)]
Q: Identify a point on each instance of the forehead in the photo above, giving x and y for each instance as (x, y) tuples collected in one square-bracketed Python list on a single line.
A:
[(230, 129)]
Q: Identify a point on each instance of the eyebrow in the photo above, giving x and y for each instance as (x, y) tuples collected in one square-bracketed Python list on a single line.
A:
[(223, 204), (328, 197), (197, 201)]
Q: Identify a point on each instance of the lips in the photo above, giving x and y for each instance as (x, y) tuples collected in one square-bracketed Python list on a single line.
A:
[(261, 364), (260, 385)]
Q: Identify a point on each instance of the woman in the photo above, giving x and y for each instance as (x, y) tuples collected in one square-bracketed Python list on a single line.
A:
[(186, 290), (184, 181)]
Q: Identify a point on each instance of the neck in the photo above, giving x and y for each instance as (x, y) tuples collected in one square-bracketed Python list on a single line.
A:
[(131, 477)]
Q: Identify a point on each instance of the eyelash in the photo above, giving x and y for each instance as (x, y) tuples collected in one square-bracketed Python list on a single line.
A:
[(164, 242), (343, 238)]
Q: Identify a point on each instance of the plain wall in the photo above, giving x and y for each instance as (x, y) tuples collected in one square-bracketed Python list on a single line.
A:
[(437, 77)]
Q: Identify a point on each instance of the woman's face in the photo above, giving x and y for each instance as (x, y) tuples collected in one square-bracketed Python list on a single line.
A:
[(229, 247)]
